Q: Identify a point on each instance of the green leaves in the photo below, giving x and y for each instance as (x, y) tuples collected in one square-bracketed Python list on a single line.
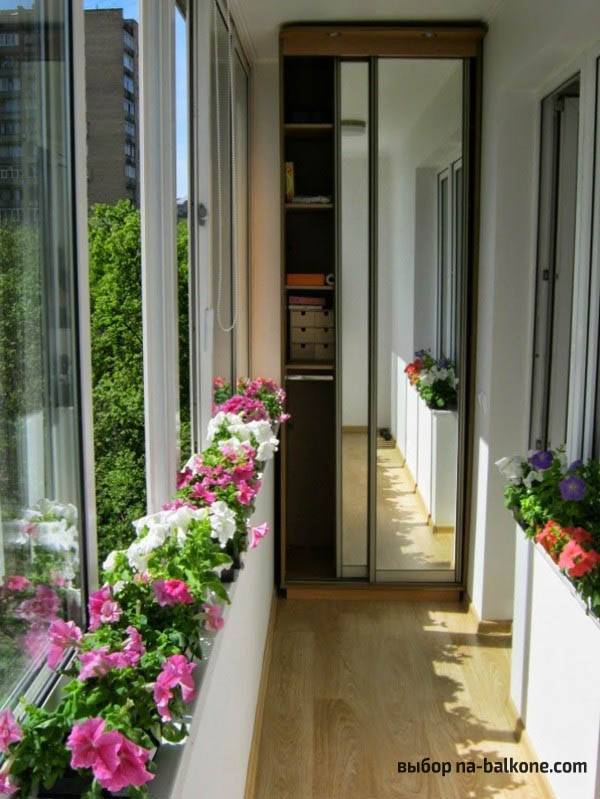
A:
[(117, 367)]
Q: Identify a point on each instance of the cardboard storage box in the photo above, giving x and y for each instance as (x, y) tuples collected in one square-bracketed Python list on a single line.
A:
[(323, 352), (302, 352), (323, 318), (303, 335), (323, 335), (302, 318)]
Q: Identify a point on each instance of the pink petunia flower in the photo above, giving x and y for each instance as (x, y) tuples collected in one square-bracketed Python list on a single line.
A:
[(7, 788), (42, 607), (10, 732), (17, 582), (246, 493), (62, 635), (130, 769), (257, 534), (98, 662), (184, 478), (243, 472), (200, 491), (103, 608), (214, 616), (36, 639), (176, 671), (134, 646), (176, 504), (91, 746), (172, 592)]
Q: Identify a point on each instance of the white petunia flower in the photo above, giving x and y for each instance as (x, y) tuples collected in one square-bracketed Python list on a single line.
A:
[(261, 430), (533, 477), (231, 420), (267, 449), (511, 468), (110, 562), (222, 521), (234, 444)]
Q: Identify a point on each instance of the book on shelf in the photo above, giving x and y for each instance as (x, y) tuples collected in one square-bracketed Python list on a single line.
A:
[(312, 302), (309, 199), (305, 279), (289, 181)]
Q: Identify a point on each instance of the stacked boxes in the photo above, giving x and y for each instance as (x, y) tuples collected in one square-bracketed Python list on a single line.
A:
[(312, 336)]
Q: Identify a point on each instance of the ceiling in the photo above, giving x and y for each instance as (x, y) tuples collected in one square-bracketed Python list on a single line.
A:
[(259, 20)]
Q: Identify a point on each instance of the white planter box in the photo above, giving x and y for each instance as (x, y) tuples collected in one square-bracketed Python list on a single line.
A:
[(554, 677), (437, 464), (412, 431)]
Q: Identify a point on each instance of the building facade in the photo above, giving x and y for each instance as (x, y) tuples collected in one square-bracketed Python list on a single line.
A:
[(111, 48)]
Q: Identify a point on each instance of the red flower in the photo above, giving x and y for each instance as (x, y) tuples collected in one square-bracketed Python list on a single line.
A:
[(579, 534), (578, 561), (413, 370), (552, 539)]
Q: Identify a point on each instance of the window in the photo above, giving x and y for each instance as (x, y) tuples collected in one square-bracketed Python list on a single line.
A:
[(115, 282), (449, 255), (128, 40), (129, 108), (229, 158), (128, 84), (555, 267), (40, 446), (10, 84), (183, 287), (9, 39), (128, 62)]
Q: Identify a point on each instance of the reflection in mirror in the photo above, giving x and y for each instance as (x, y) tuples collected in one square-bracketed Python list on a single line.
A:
[(418, 319), (353, 296)]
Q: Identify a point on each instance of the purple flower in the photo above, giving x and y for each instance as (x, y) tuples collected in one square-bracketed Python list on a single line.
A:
[(542, 459), (572, 488), (575, 465)]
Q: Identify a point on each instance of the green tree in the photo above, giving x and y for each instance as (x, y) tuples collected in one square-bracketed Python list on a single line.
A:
[(117, 367)]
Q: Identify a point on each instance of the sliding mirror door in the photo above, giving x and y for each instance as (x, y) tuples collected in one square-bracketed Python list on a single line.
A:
[(353, 315), (418, 319)]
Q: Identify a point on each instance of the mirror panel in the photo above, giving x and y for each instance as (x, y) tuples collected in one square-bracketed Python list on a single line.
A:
[(418, 317), (353, 299)]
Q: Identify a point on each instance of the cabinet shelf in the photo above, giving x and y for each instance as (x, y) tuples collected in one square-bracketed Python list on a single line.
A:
[(308, 206), (322, 366), (308, 288), (308, 130)]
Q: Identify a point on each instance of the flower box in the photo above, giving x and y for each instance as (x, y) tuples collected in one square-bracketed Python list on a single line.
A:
[(554, 676), (412, 433), (437, 462)]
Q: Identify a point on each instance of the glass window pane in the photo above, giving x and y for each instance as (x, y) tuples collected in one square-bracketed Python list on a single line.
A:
[(112, 88), (40, 490), (222, 288), (181, 155)]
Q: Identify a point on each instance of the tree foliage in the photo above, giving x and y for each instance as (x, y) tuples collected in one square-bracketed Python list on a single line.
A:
[(117, 366)]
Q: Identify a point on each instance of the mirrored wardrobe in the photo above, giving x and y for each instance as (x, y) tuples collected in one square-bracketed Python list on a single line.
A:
[(379, 150)]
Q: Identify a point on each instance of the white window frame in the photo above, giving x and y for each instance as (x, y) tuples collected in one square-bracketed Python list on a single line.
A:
[(586, 286), (159, 246)]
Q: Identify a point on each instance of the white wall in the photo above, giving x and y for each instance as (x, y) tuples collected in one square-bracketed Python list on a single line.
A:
[(265, 221), (528, 44), (553, 640), (214, 759)]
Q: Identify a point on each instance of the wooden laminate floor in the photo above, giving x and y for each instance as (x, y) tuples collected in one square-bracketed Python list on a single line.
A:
[(355, 687)]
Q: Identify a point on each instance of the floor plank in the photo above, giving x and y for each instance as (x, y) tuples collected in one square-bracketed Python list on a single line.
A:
[(357, 686)]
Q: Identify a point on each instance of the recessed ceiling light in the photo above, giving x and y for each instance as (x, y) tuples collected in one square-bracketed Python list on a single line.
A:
[(429, 34), (333, 34)]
